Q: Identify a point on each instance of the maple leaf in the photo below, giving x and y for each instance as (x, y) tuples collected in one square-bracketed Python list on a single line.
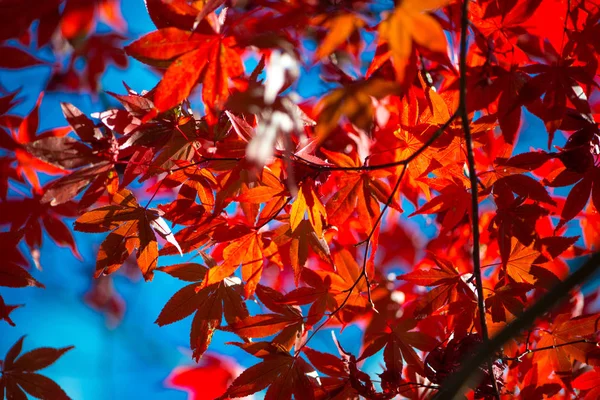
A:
[(30, 215), (13, 272), (445, 361), (5, 311), (519, 263), (514, 219), (535, 386), (566, 342), (96, 162), (195, 182), (80, 16), (14, 58), (340, 27), (510, 297), (559, 82), (103, 297), (527, 161), (17, 19), (523, 186), (327, 290), (132, 228), (407, 24), (449, 285), (498, 89), (28, 165), (193, 237), (359, 191), (338, 383), (174, 142), (247, 247), (283, 374), (452, 203), (191, 56), (182, 14), (286, 322), (8, 101), (398, 344), (217, 370), (589, 382), (580, 194), (209, 304), (307, 201), (525, 263), (271, 191), (353, 101), (19, 373), (300, 241)]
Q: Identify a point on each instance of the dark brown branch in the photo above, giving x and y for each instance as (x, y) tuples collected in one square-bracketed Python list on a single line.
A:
[(202, 161), (460, 381), (375, 167), (464, 26)]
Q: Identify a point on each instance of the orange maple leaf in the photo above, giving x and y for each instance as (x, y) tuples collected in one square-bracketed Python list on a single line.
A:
[(340, 27), (190, 57), (566, 343), (407, 24)]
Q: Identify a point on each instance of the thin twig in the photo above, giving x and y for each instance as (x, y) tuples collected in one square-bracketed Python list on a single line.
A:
[(204, 160), (556, 346), (154, 194), (320, 167), (367, 241), (363, 272), (404, 163)]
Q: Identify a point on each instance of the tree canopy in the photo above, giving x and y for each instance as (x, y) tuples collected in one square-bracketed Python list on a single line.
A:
[(409, 197)]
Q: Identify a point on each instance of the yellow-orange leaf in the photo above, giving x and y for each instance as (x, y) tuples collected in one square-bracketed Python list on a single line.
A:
[(519, 263), (353, 101), (259, 194), (340, 28), (249, 251), (568, 336), (308, 201), (408, 23)]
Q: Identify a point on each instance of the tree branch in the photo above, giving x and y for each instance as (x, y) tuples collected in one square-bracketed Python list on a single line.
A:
[(375, 167), (458, 383), (464, 26)]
